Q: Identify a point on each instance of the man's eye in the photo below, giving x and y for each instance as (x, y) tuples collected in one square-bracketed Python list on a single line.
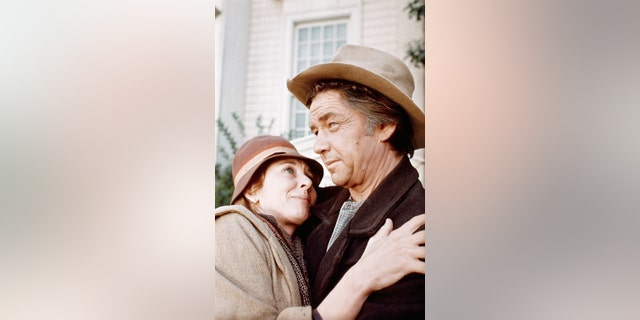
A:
[(333, 125)]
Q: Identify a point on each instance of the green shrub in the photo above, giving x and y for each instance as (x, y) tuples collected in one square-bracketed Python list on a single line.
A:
[(224, 180)]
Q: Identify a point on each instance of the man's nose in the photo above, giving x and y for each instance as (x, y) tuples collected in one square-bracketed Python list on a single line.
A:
[(321, 144)]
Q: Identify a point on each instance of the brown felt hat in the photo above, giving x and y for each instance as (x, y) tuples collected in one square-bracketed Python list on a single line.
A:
[(373, 68), (256, 151)]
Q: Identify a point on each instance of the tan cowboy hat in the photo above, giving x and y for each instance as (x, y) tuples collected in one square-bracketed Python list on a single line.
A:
[(373, 68), (256, 151)]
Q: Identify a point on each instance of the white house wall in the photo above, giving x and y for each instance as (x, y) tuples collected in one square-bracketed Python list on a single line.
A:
[(232, 39)]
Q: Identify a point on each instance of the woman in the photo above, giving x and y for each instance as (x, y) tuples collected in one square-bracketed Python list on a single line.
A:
[(260, 272)]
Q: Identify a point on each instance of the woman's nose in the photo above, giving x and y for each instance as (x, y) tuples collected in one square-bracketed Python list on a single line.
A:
[(305, 182)]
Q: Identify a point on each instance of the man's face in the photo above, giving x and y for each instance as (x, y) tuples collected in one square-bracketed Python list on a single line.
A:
[(348, 150)]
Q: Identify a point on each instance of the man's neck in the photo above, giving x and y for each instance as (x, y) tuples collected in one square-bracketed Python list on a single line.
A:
[(389, 162)]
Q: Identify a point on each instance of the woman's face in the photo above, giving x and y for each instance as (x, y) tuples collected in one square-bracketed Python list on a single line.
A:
[(287, 193)]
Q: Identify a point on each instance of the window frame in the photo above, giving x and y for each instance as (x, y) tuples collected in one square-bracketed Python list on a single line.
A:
[(350, 16)]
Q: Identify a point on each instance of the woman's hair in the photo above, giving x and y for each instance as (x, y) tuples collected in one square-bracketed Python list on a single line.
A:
[(376, 108), (255, 184)]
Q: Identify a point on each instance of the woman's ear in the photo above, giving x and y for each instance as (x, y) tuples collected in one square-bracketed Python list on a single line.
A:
[(386, 131), (252, 196)]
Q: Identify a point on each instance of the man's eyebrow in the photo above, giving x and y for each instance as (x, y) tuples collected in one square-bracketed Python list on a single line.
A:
[(322, 118), (325, 116)]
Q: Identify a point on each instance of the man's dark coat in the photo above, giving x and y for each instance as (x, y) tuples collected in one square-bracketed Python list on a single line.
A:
[(399, 197)]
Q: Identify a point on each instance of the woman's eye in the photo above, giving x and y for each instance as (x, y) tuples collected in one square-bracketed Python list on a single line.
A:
[(288, 170)]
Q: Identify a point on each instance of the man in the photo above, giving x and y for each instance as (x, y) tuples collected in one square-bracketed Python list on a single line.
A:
[(366, 126)]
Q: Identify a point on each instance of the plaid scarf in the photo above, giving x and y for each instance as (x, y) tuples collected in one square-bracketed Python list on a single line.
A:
[(294, 251)]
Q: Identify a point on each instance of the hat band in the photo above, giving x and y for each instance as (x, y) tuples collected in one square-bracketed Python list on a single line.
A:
[(258, 158)]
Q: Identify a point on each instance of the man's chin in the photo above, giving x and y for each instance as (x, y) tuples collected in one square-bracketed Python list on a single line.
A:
[(337, 180)]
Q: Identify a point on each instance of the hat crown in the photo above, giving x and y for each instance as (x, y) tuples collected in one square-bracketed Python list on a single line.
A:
[(380, 63), (259, 148)]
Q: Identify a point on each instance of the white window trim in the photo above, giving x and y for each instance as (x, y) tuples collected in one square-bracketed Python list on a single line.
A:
[(354, 31)]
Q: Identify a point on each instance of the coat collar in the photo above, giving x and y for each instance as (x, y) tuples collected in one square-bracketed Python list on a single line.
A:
[(374, 210)]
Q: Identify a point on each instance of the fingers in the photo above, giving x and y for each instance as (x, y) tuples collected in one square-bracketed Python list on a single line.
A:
[(378, 238), (418, 237), (417, 252), (386, 228), (414, 259), (413, 224), (417, 266), (414, 245), (402, 243)]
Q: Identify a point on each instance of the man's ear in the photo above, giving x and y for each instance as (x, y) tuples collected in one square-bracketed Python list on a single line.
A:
[(386, 131)]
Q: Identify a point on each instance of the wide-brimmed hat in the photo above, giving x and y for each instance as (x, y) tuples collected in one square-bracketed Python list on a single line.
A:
[(373, 68), (256, 151)]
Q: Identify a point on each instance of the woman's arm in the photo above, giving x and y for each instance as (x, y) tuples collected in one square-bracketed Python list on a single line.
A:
[(389, 256)]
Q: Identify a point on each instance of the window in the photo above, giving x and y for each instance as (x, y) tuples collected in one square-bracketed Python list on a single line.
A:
[(314, 43)]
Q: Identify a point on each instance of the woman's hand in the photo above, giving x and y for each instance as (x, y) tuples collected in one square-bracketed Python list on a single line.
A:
[(390, 255)]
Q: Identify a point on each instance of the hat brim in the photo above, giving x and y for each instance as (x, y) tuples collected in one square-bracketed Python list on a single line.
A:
[(300, 86), (314, 166)]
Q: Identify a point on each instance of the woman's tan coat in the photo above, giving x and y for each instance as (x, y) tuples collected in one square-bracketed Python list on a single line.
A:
[(254, 278)]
